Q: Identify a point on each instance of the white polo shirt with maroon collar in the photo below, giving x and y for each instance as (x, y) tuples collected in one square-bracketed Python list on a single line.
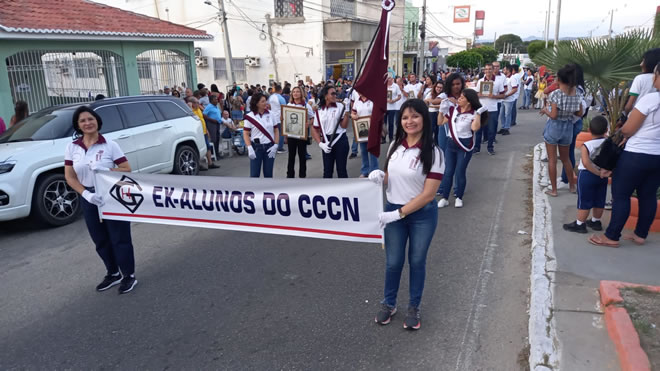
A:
[(267, 123), (326, 119), (104, 152), (405, 178)]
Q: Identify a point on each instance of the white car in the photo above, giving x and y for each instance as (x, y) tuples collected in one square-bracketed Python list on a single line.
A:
[(158, 134)]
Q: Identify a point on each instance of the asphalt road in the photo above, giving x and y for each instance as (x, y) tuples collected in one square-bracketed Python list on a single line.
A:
[(210, 299)]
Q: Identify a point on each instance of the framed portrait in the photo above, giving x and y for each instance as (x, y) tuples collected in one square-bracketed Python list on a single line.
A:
[(486, 87), (389, 95), (361, 128), (293, 122)]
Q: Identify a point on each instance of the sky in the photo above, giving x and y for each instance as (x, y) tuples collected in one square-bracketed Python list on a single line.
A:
[(578, 17)]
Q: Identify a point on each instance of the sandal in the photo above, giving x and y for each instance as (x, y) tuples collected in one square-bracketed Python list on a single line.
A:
[(634, 238), (599, 241), (550, 193)]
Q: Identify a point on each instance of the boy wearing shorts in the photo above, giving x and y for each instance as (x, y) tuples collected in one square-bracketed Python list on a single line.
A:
[(591, 188)]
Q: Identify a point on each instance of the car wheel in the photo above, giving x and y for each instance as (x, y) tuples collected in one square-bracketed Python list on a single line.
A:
[(186, 161), (54, 203)]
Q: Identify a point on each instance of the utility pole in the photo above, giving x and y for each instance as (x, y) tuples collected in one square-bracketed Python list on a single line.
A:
[(422, 36), (227, 44), (611, 21), (557, 25), (547, 23), (272, 46)]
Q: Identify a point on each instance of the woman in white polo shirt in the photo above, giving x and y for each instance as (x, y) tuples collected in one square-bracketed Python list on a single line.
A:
[(462, 122), (89, 153), (413, 172), (261, 135), (363, 107), (330, 122), (297, 145), (638, 169)]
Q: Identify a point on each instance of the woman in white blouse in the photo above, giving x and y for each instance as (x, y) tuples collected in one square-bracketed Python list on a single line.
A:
[(261, 136)]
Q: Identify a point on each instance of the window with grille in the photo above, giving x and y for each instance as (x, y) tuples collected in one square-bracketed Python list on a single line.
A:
[(288, 8), (342, 8), (144, 67), (86, 68), (220, 69)]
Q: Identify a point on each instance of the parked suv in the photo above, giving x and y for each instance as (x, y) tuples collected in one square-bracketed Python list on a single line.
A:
[(158, 134)]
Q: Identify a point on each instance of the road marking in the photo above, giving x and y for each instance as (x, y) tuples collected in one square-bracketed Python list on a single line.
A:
[(471, 333)]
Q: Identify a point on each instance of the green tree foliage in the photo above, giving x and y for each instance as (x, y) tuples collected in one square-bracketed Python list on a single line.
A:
[(465, 59), (536, 46), (515, 41), (489, 54), (608, 64)]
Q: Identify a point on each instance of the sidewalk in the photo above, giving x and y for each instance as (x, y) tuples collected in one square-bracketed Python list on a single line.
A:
[(576, 316)]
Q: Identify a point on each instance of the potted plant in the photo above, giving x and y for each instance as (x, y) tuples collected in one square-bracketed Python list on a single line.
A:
[(634, 213), (585, 134)]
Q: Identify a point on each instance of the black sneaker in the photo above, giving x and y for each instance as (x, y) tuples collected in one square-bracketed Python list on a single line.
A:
[(574, 227), (127, 284), (492, 153), (353, 155), (109, 281), (501, 131), (596, 226), (385, 314), (413, 320), (506, 132)]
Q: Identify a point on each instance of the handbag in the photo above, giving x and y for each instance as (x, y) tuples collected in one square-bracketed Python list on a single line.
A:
[(607, 154)]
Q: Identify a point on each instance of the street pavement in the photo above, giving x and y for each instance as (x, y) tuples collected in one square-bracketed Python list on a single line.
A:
[(212, 299)]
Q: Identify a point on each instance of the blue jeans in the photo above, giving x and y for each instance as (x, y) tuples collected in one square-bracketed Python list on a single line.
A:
[(369, 161), (338, 155), (280, 145), (634, 171), (390, 119), (514, 113), (112, 239), (527, 98), (506, 114), (417, 231), (577, 128), (442, 137), (489, 131), (262, 160), (434, 123), (456, 163), (354, 146)]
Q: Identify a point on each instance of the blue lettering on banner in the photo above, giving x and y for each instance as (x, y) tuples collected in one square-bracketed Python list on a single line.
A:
[(194, 198), (185, 199), (269, 204), (209, 206), (222, 201), (304, 213), (333, 200), (168, 197), (248, 203), (238, 197), (315, 203), (156, 195)]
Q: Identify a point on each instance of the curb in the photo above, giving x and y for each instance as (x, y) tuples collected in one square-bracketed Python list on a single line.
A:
[(620, 328), (544, 352)]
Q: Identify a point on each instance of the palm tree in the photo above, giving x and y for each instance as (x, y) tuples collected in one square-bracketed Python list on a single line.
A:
[(608, 64)]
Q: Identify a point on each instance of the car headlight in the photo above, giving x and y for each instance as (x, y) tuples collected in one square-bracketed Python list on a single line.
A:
[(6, 167)]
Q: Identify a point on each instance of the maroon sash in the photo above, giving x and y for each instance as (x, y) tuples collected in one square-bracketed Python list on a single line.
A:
[(454, 134), (260, 128)]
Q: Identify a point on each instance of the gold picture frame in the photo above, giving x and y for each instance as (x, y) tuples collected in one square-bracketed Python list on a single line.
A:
[(486, 88), (294, 122), (361, 128), (389, 95)]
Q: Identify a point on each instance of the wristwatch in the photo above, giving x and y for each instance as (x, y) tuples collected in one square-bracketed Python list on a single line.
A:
[(401, 214)]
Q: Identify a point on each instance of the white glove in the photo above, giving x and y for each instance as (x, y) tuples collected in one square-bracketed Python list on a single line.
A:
[(377, 176), (93, 198), (481, 110), (388, 217), (96, 167), (251, 153), (272, 151), (325, 147)]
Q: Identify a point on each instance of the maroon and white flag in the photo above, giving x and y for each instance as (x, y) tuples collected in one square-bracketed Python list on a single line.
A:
[(373, 78)]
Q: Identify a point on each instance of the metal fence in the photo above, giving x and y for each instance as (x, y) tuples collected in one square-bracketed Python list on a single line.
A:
[(342, 8), (158, 68), (45, 78)]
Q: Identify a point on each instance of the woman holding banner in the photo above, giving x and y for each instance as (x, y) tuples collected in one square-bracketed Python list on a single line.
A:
[(261, 136), (330, 122), (462, 122), (89, 153), (413, 171)]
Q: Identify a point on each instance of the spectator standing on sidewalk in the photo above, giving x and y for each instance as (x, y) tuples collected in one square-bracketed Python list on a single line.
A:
[(562, 183), (489, 130), (92, 152), (565, 103), (20, 112), (462, 121), (363, 107), (392, 106), (528, 85), (261, 135), (413, 171), (297, 145), (591, 187), (638, 169), (643, 83), (328, 124), (509, 102)]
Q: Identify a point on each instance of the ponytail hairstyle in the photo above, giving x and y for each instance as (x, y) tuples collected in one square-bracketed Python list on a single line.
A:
[(568, 75), (427, 153), (473, 99)]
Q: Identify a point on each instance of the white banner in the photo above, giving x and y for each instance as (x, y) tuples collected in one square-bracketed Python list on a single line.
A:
[(337, 209)]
